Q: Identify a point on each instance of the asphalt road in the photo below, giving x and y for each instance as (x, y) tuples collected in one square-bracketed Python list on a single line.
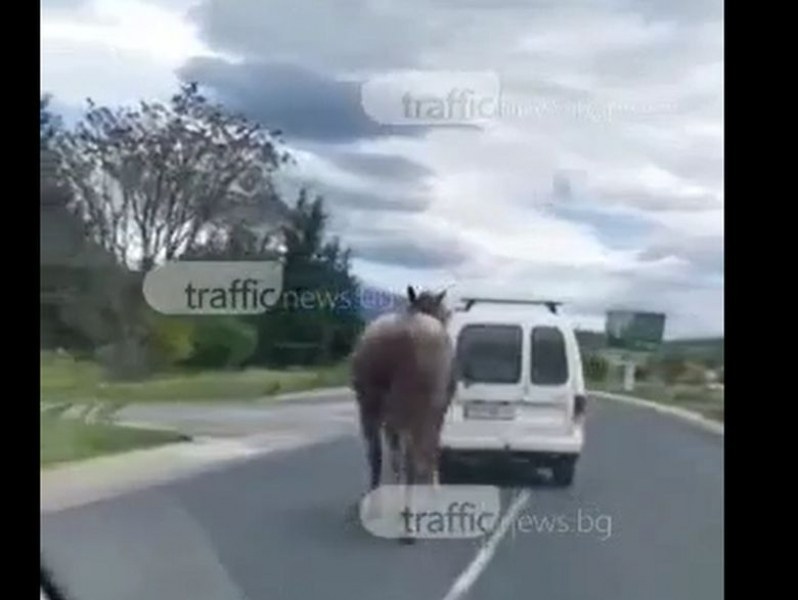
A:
[(644, 519)]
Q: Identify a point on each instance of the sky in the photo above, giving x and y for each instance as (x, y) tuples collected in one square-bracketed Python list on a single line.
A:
[(601, 184)]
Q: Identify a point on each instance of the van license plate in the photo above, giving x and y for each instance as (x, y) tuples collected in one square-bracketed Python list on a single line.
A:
[(490, 411)]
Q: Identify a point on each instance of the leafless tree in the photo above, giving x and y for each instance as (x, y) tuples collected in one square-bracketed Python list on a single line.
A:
[(150, 183)]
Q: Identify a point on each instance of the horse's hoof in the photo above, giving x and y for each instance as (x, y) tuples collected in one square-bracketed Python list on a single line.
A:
[(353, 511)]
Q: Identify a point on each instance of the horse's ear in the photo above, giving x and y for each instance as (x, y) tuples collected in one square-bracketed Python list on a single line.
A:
[(411, 294), (439, 298)]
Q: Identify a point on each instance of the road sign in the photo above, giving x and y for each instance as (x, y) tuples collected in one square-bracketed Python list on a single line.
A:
[(633, 334), (634, 331)]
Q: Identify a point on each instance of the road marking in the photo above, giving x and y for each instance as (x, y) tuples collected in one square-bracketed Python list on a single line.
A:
[(472, 572), (105, 477), (688, 416)]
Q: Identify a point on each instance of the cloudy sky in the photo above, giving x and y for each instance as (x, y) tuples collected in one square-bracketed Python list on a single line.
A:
[(602, 186)]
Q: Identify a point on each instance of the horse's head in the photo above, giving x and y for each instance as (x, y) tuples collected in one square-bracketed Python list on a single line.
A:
[(428, 303)]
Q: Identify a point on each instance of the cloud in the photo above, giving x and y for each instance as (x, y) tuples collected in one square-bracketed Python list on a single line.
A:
[(349, 33), (303, 103), (55, 5), (97, 49), (381, 166), (408, 253), (371, 183), (704, 253)]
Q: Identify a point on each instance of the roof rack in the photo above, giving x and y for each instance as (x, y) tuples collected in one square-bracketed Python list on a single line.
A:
[(550, 304)]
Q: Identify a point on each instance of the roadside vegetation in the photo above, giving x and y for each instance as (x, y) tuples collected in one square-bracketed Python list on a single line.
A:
[(187, 197), (67, 379), (688, 382), (127, 188), (66, 440)]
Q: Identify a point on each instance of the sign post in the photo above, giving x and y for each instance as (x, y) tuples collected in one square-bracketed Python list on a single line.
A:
[(633, 334), (628, 376)]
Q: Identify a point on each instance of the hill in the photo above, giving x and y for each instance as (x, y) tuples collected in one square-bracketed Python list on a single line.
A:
[(591, 341), (703, 349), (700, 349)]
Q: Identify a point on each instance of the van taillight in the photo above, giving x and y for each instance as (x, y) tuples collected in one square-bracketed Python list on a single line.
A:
[(580, 405)]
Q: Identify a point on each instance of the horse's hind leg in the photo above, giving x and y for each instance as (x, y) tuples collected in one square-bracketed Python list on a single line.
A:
[(369, 505), (407, 477), (370, 428), (394, 453)]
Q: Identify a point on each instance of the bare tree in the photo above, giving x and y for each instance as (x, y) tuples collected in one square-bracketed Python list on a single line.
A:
[(150, 183)]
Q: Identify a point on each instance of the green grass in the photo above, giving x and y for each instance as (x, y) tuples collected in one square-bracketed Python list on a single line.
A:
[(66, 379), (65, 440), (707, 402), (689, 348)]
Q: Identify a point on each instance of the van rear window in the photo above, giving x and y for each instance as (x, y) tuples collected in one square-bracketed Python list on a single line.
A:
[(490, 353), (549, 360)]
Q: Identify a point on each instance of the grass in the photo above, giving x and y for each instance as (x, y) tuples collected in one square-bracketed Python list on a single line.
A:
[(65, 379), (64, 440), (66, 382), (707, 402)]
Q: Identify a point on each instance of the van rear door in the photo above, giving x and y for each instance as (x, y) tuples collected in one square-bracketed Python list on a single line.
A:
[(549, 397), (490, 364)]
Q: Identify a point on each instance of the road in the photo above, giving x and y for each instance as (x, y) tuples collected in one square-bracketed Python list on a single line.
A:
[(644, 520)]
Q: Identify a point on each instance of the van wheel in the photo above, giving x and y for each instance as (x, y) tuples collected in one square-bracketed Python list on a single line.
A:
[(447, 469), (563, 472)]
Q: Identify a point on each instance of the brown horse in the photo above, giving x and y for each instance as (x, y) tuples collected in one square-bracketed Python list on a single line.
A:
[(402, 374)]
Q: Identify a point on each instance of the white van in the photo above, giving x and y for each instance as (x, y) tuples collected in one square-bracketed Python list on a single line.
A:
[(520, 392)]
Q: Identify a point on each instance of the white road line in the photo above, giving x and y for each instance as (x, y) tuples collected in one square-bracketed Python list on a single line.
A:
[(674, 411), (472, 572)]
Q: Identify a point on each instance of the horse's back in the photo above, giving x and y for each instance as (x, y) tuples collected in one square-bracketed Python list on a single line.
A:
[(403, 355)]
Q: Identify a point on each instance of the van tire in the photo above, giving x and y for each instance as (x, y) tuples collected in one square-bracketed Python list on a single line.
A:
[(447, 469), (563, 472)]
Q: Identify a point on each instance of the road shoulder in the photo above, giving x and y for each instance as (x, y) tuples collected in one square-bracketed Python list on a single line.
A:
[(673, 411)]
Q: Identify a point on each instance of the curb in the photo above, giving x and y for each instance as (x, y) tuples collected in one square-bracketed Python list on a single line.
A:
[(78, 483), (315, 396), (147, 426), (674, 411)]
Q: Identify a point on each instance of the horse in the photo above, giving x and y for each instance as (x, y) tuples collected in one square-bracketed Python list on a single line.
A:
[(403, 378)]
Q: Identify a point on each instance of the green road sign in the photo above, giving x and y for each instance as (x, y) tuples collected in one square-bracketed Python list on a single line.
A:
[(634, 331)]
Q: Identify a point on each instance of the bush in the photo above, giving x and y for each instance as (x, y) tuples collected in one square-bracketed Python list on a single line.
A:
[(692, 374), (222, 342), (171, 339), (642, 372), (126, 360), (671, 369), (596, 367)]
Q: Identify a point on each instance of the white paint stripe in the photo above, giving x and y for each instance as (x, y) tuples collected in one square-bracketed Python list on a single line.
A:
[(75, 484), (674, 411), (472, 572), (334, 392)]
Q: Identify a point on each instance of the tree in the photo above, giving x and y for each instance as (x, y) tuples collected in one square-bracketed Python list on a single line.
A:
[(317, 269), (70, 266), (152, 182), (50, 124), (142, 185)]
